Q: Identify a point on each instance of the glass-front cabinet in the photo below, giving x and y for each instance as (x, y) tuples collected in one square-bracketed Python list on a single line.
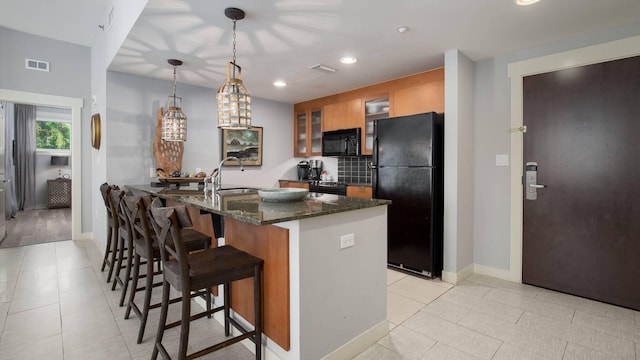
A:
[(316, 132), (301, 134), (308, 133), (374, 108)]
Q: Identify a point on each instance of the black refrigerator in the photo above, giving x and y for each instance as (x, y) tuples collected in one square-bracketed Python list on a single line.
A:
[(408, 169)]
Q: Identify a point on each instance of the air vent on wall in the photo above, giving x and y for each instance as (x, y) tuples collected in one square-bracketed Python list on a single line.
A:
[(36, 65)]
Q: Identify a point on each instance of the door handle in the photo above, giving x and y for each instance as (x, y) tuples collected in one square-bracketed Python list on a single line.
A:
[(531, 181)]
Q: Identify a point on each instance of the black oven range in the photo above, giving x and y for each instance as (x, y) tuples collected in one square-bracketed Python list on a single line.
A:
[(328, 187)]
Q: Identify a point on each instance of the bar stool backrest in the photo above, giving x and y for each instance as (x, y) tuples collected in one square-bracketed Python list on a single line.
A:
[(168, 223), (135, 209), (115, 199), (105, 190)]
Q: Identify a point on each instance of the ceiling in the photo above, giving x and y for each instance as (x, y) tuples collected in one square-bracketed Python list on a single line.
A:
[(281, 39)]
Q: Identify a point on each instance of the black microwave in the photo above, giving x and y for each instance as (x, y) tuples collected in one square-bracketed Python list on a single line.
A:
[(341, 142)]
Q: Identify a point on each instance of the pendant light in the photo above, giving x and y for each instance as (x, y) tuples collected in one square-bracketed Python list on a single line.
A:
[(174, 121), (234, 101)]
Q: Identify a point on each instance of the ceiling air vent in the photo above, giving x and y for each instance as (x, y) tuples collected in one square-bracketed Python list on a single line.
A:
[(323, 68), (36, 65)]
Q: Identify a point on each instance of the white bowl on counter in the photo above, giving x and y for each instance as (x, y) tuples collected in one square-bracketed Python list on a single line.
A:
[(282, 194)]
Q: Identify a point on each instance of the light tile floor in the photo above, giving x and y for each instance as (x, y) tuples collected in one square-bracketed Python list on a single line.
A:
[(55, 304), (487, 318)]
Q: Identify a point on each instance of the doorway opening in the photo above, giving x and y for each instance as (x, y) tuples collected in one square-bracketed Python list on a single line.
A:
[(75, 106)]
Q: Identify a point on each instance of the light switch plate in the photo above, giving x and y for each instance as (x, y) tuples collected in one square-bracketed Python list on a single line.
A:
[(347, 241), (502, 160)]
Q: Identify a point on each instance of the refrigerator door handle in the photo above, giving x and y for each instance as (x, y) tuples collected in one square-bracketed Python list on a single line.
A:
[(374, 163)]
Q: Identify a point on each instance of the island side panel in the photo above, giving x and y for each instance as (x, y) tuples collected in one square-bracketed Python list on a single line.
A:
[(343, 292), (271, 244)]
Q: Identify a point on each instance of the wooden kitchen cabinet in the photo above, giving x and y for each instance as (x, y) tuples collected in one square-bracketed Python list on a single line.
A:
[(360, 191), (308, 133), (342, 115), (293, 184), (415, 94), (419, 98), (375, 108)]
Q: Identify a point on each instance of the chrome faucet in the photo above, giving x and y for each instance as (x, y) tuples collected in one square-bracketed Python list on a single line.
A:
[(217, 179)]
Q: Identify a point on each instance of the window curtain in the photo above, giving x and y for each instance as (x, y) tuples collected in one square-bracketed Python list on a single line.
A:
[(11, 206), (25, 151)]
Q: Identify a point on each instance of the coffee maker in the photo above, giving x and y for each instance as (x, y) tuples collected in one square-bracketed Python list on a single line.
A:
[(303, 170), (315, 169)]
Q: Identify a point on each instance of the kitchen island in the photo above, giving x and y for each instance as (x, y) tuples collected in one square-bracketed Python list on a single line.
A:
[(323, 297)]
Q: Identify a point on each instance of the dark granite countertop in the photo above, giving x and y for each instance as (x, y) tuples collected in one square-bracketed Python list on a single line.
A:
[(348, 184), (250, 208)]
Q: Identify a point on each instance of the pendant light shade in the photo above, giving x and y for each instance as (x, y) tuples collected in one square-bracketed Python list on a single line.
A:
[(174, 121), (233, 98)]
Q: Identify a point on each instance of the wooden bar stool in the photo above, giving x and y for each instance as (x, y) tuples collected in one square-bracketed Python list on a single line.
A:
[(123, 241), (111, 249), (202, 270), (146, 251)]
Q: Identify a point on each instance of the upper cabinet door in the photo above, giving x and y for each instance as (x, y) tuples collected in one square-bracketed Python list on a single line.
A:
[(342, 115), (418, 99), (300, 136), (374, 109), (316, 132), (307, 133)]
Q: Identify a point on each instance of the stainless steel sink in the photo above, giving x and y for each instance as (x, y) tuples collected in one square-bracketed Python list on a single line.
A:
[(237, 191)]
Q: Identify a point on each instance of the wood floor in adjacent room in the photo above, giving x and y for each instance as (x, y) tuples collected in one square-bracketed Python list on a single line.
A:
[(39, 226)]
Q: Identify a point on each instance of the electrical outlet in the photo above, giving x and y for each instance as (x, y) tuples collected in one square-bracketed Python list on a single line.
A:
[(347, 241)]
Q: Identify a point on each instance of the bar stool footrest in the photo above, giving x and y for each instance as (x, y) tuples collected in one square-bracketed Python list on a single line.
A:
[(221, 345)]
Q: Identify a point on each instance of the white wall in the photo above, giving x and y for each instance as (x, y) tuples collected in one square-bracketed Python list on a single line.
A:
[(459, 162), (491, 133), (131, 111), (105, 46), (70, 76)]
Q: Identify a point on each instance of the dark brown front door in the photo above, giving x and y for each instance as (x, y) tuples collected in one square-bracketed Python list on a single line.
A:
[(582, 234)]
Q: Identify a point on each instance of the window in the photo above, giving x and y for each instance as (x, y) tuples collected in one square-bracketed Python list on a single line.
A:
[(53, 135)]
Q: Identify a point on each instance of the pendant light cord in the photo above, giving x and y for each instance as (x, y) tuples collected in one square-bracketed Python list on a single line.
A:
[(174, 86), (234, 48)]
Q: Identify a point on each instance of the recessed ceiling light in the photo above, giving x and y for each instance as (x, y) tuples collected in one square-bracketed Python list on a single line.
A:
[(526, 2), (348, 60), (403, 29), (279, 83)]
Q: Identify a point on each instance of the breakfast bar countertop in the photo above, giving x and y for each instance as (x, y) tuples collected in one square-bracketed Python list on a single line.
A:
[(248, 207)]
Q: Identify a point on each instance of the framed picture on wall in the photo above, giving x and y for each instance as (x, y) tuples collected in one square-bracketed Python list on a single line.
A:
[(244, 144)]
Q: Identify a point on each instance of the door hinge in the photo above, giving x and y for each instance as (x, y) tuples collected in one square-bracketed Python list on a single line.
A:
[(522, 129)]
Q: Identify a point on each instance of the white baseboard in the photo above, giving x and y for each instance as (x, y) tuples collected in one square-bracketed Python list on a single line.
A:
[(346, 351), (457, 278), (360, 343), (494, 272)]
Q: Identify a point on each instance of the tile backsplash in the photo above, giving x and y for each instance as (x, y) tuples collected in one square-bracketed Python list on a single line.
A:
[(354, 170)]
